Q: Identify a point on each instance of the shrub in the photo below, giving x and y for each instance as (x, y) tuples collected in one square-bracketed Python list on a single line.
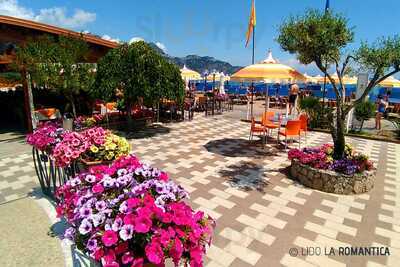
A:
[(364, 111)]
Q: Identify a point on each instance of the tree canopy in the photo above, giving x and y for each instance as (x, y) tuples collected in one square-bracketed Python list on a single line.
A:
[(140, 72), (58, 64), (321, 38)]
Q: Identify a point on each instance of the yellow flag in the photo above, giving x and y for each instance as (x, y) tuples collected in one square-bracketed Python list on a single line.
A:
[(252, 22)]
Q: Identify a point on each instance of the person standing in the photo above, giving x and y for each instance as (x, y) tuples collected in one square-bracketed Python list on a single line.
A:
[(293, 93), (381, 109)]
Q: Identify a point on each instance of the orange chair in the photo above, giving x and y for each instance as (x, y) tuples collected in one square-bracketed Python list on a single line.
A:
[(267, 123), (256, 129), (304, 125), (292, 130)]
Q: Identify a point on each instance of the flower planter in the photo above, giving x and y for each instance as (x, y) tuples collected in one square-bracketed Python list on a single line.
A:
[(85, 164), (330, 181), (50, 176)]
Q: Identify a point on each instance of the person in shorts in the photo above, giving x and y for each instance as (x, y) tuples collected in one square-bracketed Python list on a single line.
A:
[(381, 109), (293, 93)]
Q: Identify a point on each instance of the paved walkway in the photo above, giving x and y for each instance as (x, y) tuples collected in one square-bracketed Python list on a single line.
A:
[(261, 214), (24, 236)]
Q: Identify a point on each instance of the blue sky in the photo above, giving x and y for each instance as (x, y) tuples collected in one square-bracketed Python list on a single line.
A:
[(215, 28)]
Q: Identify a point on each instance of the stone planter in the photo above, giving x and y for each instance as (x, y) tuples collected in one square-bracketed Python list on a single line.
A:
[(332, 182)]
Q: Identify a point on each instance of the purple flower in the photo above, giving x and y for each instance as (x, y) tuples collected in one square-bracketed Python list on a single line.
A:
[(97, 219), (126, 232), (85, 212), (74, 182), (70, 234), (108, 181), (90, 178), (122, 172), (101, 205), (123, 208), (117, 224), (92, 244), (85, 227)]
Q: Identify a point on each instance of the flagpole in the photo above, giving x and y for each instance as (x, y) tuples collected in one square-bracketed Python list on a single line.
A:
[(252, 62)]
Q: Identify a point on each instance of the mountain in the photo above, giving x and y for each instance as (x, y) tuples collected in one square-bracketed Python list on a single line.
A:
[(199, 63)]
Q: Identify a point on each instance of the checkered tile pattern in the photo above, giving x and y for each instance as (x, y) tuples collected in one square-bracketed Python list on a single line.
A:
[(260, 212)]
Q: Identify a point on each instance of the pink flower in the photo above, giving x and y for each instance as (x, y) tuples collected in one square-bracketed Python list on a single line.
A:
[(142, 224), (137, 262), (163, 176), (129, 219), (133, 202), (127, 257), (154, 252), (98, 188), (176, 251), (109, 238), (196, 256)]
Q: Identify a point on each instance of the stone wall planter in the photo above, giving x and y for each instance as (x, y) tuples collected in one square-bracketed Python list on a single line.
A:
[(332, 182)]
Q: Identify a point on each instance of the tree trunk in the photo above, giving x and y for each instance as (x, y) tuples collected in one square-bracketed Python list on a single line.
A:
[(72, 102), (338, 137), (129, 115)]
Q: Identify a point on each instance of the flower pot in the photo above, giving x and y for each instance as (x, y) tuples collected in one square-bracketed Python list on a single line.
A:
[(85, 164)]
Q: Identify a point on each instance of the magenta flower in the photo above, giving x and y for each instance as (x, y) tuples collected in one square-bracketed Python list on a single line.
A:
[(142, 224), (109, 238), (154, 252)]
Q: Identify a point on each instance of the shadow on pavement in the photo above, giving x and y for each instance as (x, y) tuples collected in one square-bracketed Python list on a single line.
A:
[(247, 176)]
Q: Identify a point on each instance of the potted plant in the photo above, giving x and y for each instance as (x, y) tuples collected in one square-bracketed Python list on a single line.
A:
[(130, 214)]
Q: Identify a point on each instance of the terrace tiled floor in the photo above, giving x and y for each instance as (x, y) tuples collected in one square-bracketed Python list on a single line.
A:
[(261, 214)]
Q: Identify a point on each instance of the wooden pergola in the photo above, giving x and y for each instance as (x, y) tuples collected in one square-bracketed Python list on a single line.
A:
[(16, 31)]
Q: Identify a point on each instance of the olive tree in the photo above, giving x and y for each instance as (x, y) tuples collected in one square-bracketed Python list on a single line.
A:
[(322, 38), (139, 72), (58, 64)]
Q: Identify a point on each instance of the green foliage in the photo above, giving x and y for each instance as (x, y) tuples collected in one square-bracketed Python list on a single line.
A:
[(315, 36), (381, 56), (320, 38), (11, 76), (312, 106), (364, 111), (58, 64), (140, 72)]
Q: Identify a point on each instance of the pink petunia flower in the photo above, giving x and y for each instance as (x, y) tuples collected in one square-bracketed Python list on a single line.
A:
[(109, 238)]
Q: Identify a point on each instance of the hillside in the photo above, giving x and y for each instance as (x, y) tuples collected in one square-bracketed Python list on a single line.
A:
[(199, 63)]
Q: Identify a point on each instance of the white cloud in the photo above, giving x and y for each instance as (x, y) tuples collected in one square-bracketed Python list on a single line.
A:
[(11, 8), (109, 38), (310, 69), (135, 39), (161, 46), (54, 15)]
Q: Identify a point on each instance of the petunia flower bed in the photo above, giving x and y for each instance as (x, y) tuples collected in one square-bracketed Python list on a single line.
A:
[(321, 158), (130, 214), (46, 136), (66, 147)]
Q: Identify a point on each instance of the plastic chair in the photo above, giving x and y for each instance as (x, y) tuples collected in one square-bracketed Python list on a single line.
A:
[(267, 123), (256, 129), (304, 125), (292, 130)]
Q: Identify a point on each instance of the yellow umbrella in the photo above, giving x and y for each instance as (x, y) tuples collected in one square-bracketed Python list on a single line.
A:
[(188, 74), (390, 82), (268, 70), (346, 79)]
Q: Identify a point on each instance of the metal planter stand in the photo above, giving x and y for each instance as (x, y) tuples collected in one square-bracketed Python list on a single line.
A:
[(50, 176)]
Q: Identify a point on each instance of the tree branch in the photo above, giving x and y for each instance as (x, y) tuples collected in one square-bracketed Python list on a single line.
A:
[(375, 81)]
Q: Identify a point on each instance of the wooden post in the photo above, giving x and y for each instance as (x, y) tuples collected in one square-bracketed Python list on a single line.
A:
[(28, 100)]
